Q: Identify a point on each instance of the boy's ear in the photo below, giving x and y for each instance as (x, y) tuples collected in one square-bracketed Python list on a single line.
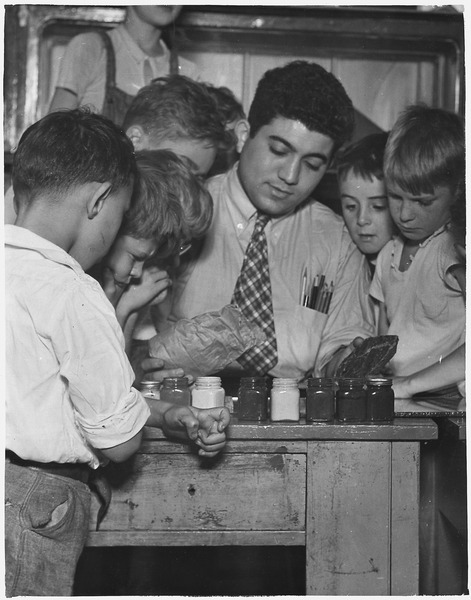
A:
[(97, 198), (241, 130), (137, 136)]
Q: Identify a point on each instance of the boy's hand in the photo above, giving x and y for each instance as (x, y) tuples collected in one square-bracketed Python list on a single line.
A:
[(402, 387), (112, 289), (205, 427), (151, 286)]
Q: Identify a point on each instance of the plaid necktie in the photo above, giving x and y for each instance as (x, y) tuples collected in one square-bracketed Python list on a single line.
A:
[(252, 294)]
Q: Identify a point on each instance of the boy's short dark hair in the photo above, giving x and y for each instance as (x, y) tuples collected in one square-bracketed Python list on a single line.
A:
[(364, 158), (169, 202), (426, 149), (176, 107), (68, 148), (303, 91)]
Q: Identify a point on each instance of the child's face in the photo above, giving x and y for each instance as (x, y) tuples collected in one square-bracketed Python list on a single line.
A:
[(200, 154), (102, 229), (126, 258), (156, 15), (282, 164), (366, 213), (417, 217)]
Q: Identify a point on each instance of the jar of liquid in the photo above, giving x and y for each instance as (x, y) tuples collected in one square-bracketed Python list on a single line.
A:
[(379, 399), (351, 400), (176, 390), (150, 389), (252, 400), (284, 405), (207, 393), (320, 400)]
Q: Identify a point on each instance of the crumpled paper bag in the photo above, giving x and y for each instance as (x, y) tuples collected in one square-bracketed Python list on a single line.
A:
[(206, 343)]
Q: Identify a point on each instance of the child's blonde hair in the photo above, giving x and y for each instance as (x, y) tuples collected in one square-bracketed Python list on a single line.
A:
[(426, 149), (169, 202)]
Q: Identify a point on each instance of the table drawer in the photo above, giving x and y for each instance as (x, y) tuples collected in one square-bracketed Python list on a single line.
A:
[(164, 492)]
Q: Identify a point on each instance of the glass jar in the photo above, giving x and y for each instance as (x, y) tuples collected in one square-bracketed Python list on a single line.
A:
[(320, 400), (379, 399), (150, 389), (207, 393), (176, 390), (252, 400), (285, 396), (351, 400)]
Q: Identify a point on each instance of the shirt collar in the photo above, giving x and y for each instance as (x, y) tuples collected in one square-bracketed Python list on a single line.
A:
[(137, 54), (242, 206), (434, 235), (20, 237)]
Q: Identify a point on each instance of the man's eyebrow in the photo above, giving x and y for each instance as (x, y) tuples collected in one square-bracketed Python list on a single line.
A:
[(319, 155)]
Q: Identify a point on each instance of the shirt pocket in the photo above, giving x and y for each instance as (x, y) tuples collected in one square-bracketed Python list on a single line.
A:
[(431, 307), (299, 333)]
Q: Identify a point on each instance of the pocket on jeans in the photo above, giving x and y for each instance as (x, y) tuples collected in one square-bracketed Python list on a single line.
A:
[(49, 508)]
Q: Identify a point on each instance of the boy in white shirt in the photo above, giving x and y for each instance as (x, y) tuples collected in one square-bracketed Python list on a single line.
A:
[(420, 302), (70, 404)]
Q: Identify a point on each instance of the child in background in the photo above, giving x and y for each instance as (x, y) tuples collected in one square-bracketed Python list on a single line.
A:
[(73, 174), (139, 55), (179, 114), (235, 121), (424, 173), (170, 207), (363, 196)]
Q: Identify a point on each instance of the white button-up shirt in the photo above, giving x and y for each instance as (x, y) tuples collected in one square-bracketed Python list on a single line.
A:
[(68, 380), (311, 239)]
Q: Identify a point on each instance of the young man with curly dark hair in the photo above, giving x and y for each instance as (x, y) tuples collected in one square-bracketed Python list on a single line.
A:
[(300, 116)]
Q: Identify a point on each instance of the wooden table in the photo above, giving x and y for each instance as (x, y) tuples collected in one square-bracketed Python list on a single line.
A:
[(444, 531), (349, 493)]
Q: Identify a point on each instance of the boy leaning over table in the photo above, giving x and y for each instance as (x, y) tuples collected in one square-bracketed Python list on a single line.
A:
[(70, 404)]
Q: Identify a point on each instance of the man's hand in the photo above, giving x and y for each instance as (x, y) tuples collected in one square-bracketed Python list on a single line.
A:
[(154, 370), (340, 355), (205, 427)]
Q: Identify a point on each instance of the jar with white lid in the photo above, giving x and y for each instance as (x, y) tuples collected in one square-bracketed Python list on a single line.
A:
[(284, 401), (207, 393)]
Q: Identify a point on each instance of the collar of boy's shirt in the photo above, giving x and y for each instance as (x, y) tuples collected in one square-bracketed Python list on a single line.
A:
[(136, 53), (21, 237), (436, 233)]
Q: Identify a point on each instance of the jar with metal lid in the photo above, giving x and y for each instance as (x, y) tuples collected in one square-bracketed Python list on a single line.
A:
[(150, 389), (379, 399), (320, 400), (207, 393), (176, 390), (252, 400), (284, 402), (351, 400)]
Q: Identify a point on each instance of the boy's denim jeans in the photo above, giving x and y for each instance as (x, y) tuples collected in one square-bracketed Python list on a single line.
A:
[(46, 525)]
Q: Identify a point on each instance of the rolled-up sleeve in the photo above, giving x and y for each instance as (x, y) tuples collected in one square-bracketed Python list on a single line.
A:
[(89, 345)]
